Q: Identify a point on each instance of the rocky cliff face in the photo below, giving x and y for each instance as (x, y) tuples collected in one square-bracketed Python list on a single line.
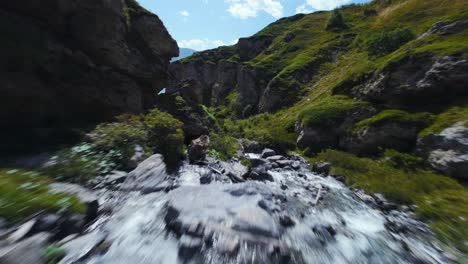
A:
[(67, 64)]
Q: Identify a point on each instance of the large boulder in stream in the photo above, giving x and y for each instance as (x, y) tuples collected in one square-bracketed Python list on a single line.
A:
[(71, 64), (149, 176)]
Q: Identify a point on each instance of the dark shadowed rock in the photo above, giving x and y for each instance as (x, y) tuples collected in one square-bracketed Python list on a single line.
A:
[(82, 247), (252, 147), (108, 57), (268, 153), (322, 168), (198, 149), (249, 48)]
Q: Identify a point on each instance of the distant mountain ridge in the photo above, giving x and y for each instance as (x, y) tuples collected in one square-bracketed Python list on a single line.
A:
[(184, 53)]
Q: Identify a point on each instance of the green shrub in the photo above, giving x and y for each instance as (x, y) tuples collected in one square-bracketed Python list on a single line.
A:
[(165, 136), (336, 21), (223, 146), (54, 254), (386, 42), (82, 163), (446, 119), (156, 132), (403, 160), (24, 193)]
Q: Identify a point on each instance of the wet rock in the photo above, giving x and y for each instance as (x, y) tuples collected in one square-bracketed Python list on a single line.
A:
[(339, 178), (189, 246), (322, 168), (82, 247), (252, 147), (260, 173), (3, 223), (47, 223), (235, 170), (27, 251), (275, 158), (268, 153), (226, 244), (148, 176), (114, 178), (326, 233), (286, 221), (23, 231), (283, 163), (447, 151), (86, 196), (198, 149)]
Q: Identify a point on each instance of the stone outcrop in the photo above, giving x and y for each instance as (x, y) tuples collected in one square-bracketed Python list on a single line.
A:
[(447, 151), (69, 64), (198, 149), (413, 81), (391, 135)]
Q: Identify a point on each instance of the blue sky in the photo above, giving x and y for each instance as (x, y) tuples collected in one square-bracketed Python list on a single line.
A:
[(205, 24)]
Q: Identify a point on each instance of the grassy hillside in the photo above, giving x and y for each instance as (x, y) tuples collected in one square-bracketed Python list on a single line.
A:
[(373, 36)]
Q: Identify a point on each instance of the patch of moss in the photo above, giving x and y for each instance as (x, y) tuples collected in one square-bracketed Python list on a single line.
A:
[(441, 201), (446, 119), (398, 116), (54, 254), (329, 110), (24, 193)]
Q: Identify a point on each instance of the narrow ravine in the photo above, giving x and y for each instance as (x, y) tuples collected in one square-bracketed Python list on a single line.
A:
[(294, 215)]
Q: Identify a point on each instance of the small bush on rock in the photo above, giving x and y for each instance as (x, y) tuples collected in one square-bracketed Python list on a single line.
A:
[(336, 21), (386, 42)]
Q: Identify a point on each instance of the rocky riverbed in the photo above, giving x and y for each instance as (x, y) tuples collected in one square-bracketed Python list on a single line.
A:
[(276, 211)]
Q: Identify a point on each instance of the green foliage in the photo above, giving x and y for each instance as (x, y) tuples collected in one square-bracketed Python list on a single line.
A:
[(246, 162), (156, 131), (336, 21), (442, 201), (24, 193), (330, 110), (82, 163), (54, 254), (446, 119), (403, 161), (223, 146), (391, 115), (165, 136), (388, 41)]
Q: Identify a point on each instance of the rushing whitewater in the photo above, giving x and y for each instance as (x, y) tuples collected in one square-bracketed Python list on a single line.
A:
[(198, 215)]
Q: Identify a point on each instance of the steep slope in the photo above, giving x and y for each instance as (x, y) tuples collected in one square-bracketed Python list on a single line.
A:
[(69, 64), (385, 80)]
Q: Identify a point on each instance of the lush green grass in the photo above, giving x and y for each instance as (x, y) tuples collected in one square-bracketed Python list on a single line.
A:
[(330, 110), (447, 119), (24, 193), (441, 201), (392, 115)]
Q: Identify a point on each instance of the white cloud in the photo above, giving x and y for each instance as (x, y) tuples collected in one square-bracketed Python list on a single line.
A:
[(201, 44), (244, 9), (325, 4), (303, 9), (184, 13)]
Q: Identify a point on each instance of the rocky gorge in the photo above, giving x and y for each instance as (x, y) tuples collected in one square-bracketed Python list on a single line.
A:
[(330, 137)]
